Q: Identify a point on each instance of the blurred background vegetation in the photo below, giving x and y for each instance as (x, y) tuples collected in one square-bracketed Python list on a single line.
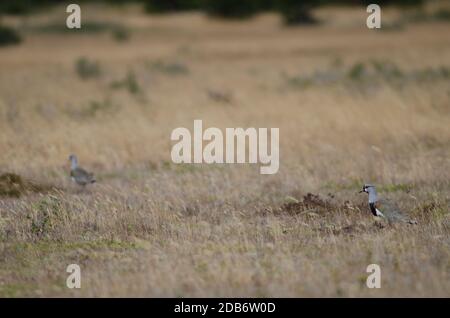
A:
[(293, 12), (222, 8)]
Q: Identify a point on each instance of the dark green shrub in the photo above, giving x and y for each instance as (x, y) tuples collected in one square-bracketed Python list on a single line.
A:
[(297, 12), (8, 36), (231, 9), (86, 68), (171, 68), (442, 15), (18, 7), (404, 3), (357, 71), (120, 34), (166, 6), (130, 83)]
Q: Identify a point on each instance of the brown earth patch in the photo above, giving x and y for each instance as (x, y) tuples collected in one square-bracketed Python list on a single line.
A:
[(13, 185)]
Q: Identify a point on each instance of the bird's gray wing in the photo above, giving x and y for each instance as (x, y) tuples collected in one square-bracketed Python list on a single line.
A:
[(82, 176), (391, 211)]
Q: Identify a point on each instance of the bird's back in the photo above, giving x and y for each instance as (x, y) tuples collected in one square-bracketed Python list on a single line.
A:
[(81, 176), (392, 212)]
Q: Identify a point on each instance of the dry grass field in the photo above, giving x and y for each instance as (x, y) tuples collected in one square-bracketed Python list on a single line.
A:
[(353, 105)]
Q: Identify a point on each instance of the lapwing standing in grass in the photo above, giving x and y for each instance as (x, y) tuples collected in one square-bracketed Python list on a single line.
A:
[(384, 208), (78, 174)]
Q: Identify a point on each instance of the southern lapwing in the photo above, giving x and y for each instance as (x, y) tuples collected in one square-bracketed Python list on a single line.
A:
[(78, 174), (384, 208)]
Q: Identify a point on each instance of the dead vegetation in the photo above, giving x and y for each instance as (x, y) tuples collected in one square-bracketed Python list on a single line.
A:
[(13, 185), (309, 203), (153, 228)]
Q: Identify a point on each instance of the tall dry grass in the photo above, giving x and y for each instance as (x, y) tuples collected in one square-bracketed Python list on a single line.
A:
[(151, 228)]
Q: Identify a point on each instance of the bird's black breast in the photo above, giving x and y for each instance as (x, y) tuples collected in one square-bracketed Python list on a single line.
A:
[(373, 208)]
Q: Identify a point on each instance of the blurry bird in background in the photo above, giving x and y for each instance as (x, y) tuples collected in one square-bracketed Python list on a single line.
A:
[(78, 174)]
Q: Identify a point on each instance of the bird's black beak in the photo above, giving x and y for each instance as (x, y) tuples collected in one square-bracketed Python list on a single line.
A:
[(361, 191)]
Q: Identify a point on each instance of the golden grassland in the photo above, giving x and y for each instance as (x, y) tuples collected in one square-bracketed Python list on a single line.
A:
[(353, 105)]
